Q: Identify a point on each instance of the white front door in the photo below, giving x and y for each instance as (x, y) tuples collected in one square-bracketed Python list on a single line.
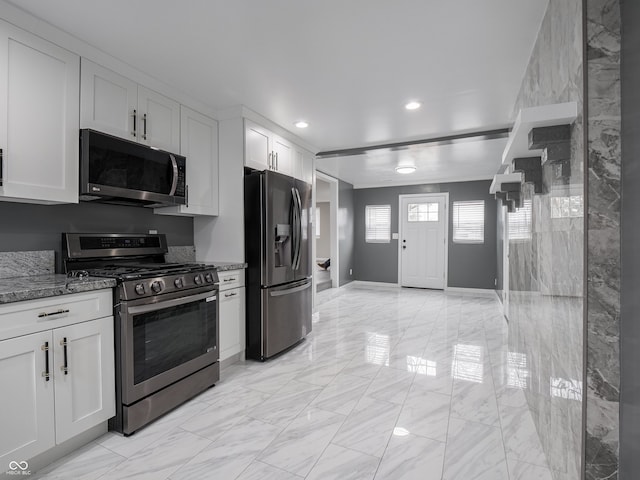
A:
[(423, 221)]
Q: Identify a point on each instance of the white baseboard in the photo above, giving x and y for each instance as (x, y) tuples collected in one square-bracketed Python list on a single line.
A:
[(478, 292), (362, 283)]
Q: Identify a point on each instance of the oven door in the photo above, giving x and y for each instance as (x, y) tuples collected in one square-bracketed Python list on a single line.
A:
[(165, 341)]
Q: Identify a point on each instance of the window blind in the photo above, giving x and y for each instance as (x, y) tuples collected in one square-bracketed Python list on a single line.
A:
[(468, 221), (378, 223)]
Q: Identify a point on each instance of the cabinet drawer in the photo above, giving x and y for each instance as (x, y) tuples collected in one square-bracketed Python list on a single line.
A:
[(231, 279), (22, 318)]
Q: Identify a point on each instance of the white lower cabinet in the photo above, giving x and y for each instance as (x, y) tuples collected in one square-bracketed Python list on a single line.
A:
[(27, 413), (56, 383), (84, 378), (232, 313)]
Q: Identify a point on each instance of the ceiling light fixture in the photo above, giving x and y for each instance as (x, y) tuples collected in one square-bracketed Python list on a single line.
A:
[(301, 124), (404, 169), (412, 105)]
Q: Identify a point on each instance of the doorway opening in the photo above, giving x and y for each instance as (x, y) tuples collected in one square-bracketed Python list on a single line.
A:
[(326, 233), (423, 247)]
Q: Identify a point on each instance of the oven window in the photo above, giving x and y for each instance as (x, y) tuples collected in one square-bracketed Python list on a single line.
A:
[(167, 338)]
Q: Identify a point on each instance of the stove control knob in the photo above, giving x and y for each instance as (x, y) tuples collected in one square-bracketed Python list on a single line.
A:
[(140, 289), (208, 277), (156, 287), (178, 282), (198, 279)]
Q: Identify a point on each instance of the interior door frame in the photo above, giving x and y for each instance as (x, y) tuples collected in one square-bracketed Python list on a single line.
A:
[(446, 232), (333, 222)]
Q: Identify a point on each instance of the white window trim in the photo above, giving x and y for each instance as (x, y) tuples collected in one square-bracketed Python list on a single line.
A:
[(366, 221), (474, 241)]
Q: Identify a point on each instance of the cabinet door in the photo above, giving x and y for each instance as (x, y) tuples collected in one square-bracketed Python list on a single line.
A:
[(232, 319), (199, 143), (39, 134), (283, 151), (108, 101), (85, 394), (159, 119), (257, 147), (303, 165), (27, 414)]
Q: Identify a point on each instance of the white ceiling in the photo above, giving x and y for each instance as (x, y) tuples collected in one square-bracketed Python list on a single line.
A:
[(347, 67), (464, 161)]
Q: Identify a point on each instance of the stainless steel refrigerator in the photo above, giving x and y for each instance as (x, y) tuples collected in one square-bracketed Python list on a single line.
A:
[(278, 253)]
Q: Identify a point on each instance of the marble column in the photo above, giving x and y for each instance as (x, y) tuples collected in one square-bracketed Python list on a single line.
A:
[(603, 126)]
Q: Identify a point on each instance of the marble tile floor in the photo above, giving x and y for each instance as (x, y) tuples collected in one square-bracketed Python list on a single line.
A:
[(392, 384)]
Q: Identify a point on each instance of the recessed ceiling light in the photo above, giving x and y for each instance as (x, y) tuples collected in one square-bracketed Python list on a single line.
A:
[(406, 169), (412, 105), (301, 124)]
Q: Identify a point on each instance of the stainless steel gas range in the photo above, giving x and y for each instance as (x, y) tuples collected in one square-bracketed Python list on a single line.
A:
[(166, 322)]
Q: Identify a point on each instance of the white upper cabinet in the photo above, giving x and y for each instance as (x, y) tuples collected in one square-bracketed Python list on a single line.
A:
[(160, 120), (108, 101), (265, 150), (114, 104), (258, 150), (303, 164), (199, 144), (283, 155), (39, 105)]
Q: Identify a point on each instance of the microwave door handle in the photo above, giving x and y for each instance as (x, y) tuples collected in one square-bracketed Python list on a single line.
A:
[(172, 303), (174, 184)]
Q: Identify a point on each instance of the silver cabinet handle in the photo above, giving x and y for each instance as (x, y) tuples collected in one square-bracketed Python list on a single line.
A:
[(45, 349), (276, 161), (232, 294), (270, 161), (65, 367), (0, 167), (135, 116), (230, 279), (51, 314), (144, 126)]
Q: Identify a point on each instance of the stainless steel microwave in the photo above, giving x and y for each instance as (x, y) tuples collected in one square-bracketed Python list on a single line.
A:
[(114, 170)]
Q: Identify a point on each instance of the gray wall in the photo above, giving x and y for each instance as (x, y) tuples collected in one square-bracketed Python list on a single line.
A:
[(323, 242), (630, 239), (470, 265), (39, 227), (345, 231)]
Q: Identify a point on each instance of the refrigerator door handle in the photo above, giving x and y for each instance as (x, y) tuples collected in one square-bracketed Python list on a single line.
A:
[(294, 234), (280, 293), (298, 202)]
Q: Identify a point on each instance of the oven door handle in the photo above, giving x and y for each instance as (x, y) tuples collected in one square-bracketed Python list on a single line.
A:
[(172, 303)]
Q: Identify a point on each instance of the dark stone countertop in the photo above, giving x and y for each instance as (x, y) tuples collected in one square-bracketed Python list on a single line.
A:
[(18, 289)]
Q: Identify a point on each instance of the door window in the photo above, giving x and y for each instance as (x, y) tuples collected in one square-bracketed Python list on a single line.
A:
[(422, 212)]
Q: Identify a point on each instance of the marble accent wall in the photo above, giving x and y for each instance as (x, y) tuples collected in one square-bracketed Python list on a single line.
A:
[(603, 239), (546, 255)]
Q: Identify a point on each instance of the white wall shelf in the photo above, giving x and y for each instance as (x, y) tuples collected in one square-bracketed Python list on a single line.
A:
[(535, 117), (501, 178)]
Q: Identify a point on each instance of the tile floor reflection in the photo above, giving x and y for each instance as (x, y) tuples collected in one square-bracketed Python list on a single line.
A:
[(392, 384)]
